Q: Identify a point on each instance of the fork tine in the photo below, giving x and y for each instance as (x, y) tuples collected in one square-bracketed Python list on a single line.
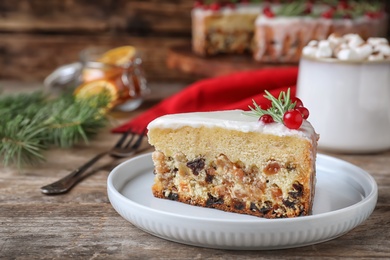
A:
[(123, 138), (66, 183), (141, 136), (130, 141), (138, 141)]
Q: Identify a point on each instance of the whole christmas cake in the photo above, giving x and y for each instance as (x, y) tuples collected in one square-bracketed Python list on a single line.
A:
[(277, 32)]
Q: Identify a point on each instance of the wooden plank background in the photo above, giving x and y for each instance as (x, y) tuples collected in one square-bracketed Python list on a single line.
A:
[(37, 36)]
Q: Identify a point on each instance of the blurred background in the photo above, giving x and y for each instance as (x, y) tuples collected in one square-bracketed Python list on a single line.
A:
[(37, 36)]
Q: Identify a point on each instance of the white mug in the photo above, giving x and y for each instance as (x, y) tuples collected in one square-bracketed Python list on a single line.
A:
[(349, 103)]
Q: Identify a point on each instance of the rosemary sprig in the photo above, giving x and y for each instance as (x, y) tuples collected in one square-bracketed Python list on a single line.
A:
[(279, 106), (294, 8), (32, 123)]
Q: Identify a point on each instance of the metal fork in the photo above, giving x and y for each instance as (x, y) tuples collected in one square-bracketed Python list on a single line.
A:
[(121, 149)]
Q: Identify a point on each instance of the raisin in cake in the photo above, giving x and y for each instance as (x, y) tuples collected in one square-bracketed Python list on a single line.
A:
[(230, 161)]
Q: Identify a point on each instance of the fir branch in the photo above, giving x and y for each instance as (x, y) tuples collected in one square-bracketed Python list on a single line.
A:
[(16, 104), (21, 140), (75, 120), (32, 123)]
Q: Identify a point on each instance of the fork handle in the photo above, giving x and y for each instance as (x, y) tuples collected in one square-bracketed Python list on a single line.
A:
[(65, 184)]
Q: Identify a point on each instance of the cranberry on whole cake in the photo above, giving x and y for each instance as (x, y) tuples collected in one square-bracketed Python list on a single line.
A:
[(259, 162)]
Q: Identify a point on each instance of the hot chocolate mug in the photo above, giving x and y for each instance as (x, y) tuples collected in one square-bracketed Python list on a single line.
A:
[(349, 103)]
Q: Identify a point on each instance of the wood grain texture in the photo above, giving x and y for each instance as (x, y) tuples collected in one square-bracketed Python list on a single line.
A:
[(38, 36), (96, 17), (83, 225), (30, 58)]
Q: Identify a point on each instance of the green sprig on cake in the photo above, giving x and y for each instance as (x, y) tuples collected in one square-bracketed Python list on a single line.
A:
[(285, 109)]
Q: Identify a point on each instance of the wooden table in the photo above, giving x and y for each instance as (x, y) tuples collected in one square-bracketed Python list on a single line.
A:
[(182, 58), (83, 225)]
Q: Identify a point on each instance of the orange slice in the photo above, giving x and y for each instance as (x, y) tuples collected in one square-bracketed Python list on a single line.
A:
[(118, 56), (96, 87), (91, 74)]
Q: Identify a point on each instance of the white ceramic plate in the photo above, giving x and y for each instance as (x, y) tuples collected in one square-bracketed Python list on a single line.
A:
[(345, 197)]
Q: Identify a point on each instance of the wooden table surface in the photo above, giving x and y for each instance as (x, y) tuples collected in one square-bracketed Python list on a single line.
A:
[(182, 58), (83, 225)]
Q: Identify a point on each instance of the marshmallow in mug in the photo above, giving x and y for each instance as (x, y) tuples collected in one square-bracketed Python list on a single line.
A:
[(350, 47)]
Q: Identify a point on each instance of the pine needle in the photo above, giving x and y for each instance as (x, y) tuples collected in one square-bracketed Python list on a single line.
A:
[(32, 123), (21, 141)]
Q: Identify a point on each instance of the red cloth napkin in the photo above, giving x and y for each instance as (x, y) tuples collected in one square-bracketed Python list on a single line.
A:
[(234, 91)]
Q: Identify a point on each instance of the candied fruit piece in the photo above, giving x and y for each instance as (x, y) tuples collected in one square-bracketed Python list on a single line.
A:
[(272, 168)]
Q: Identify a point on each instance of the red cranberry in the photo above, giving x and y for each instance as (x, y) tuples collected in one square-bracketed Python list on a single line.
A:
[(215, 6), (328, 14), (266, 119)]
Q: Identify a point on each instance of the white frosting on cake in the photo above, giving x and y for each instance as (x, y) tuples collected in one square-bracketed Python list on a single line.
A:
[(233, 120)]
